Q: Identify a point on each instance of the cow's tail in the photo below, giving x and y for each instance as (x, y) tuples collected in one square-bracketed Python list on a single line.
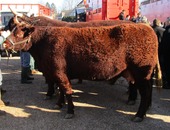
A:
[(158, 75)]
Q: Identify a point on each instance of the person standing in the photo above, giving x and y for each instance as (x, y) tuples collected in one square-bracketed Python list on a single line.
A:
[(33, 66), (25, 67), (3, 36), (139, 18), (165, 51), (122, 15), (144, 20), (133, 19), (127, 17), (158, 29), (159, 32)]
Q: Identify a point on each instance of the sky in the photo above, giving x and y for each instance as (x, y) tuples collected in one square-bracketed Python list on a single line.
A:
[(58, 3)]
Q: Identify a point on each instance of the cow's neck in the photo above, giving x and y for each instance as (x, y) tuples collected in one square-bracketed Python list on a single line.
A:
[(38, 35)]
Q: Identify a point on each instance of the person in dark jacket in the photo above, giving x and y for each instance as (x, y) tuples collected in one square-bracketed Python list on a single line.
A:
[(122, 15), (133, 19), (158, 29), (165, 51), (159, 32)]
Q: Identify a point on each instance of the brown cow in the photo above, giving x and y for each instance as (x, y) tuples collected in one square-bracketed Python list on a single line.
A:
[(45, 21), (99, 53)]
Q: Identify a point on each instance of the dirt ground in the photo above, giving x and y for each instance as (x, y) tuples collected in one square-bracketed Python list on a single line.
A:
[(98, 105)]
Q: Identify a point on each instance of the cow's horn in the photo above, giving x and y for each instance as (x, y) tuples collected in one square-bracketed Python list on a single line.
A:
[(15, 13), (16, 20)]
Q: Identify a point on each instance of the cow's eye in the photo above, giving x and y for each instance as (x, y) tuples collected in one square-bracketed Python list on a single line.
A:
[(26, 31)]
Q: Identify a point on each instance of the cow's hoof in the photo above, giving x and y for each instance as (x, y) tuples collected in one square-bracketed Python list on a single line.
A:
[(48, 98), (79, 82), (7, 103), (58, 107), (69, 116), (131, 102), (2, 113), (137, 119)]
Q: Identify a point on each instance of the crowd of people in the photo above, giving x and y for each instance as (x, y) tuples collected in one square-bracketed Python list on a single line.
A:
[(163, 33)]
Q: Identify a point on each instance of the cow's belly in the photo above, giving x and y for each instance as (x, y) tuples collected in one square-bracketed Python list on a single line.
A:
[(96, 71)]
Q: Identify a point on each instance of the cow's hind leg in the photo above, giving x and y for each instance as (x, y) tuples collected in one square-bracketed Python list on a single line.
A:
[(145, 90), (50, 90), (132, 94)]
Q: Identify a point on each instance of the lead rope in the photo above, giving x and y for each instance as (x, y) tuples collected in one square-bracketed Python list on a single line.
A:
[(13, 46), (8, 56)]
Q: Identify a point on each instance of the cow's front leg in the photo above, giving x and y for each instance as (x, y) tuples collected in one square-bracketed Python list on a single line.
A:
[(61, 99), (70, 109), (145, 90), (65, 86)]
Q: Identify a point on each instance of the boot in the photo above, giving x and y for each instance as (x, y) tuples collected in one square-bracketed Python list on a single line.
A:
[(24, 75), (30, 78), (2, 113), (29, 74), (1, 102)]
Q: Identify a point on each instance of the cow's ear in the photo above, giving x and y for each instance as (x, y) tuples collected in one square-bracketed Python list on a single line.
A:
[(28, 31), (32, 29), (28, 28)]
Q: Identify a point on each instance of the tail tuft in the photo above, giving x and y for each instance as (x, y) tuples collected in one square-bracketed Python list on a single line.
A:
[(158, 76)]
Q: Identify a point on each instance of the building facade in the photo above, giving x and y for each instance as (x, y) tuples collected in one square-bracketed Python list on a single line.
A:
[(152, 9), (109, 9), (36, 9)]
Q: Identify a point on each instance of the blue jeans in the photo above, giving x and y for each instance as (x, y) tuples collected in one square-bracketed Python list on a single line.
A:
[(25, 59), (32, 62)]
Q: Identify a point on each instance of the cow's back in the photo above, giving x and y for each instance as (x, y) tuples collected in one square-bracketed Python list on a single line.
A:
[(109, 49)]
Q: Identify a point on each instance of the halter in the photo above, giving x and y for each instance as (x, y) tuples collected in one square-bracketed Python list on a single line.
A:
[(24, 42)]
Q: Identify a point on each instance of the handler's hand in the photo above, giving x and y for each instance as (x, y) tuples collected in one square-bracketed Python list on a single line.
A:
[(5, 45), (5, 34)]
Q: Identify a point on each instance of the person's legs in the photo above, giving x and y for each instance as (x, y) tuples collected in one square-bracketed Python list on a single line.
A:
[(167, 72), (1, 102), (163, 70), (25, 63), (32, 67)]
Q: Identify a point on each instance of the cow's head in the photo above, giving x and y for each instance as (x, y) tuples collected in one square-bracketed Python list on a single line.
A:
[(21, 32), (20, 35)]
